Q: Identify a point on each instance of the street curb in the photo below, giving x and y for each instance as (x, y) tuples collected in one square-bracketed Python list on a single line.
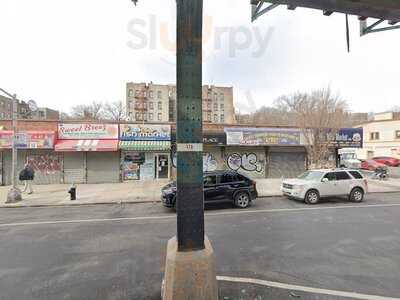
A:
[(133, 202), (77, 204)]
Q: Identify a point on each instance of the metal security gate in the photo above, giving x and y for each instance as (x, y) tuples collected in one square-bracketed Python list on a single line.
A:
[(286, 162), (7, 165), (103, 167), (47, 166), (74, 167)]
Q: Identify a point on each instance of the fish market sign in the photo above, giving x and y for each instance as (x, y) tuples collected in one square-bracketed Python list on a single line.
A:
[(143, 132), (262, 136), (87, 131)]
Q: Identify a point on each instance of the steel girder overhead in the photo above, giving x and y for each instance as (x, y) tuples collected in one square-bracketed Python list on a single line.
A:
[(379, 9)]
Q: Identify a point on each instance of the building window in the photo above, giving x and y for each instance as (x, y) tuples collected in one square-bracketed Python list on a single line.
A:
[(215, 96), (373, 136), (209, 117), (215, 106), (137, 93), (209, 95), (222, 118), (144, 94), (397, 134), (208, 105), (159, 94), (159, 116), (222, 106), (130, 93), (137, 116), (151, 116), (151, 94), (159, 105), (215, 118), (151, 105), (221, 97)]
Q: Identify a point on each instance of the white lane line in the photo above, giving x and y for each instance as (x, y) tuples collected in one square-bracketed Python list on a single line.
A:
[(241, 212), (306, 289)]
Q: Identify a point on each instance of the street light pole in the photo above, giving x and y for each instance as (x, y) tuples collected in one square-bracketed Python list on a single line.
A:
[(14, 195)]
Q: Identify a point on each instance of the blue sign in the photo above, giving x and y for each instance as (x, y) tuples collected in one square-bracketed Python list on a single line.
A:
[(349, 138), (144, 132)]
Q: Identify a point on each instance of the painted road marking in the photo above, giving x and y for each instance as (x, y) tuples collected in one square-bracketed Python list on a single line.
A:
[(228, 213), (306, 289)]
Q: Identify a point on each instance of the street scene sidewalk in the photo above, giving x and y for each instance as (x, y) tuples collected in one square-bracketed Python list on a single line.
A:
[(139, 192)]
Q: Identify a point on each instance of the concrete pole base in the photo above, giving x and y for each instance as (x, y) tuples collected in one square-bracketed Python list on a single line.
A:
[(14, 195), (190, 275)]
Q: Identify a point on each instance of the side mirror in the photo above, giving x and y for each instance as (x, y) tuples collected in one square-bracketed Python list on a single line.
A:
[(325, 180)]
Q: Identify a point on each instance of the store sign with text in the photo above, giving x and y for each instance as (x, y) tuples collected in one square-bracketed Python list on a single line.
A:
[(27, 140), (144, 132), (348, 138), (262, 136), (87, 131)]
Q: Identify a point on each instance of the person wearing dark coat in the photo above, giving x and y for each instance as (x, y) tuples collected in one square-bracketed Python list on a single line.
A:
[(27, 175)]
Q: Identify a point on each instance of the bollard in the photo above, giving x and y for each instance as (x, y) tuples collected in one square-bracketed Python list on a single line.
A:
[(72, 192)]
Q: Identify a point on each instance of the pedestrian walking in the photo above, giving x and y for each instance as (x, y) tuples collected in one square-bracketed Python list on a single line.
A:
[(27, 175)]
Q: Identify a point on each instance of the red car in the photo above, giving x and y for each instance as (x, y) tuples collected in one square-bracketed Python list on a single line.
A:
[(388, 161), (372, 165)]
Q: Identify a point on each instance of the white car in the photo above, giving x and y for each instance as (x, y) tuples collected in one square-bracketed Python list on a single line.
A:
[(313, 185)]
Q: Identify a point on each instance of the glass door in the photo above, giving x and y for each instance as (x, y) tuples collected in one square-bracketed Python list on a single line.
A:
[(162, 163)]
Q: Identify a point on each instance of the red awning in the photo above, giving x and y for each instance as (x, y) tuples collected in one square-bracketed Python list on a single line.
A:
[(87, 145)]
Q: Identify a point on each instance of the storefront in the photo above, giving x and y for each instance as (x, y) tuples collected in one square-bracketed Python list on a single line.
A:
[(145, 151), (35, 147), (90, 152), (265, 152)]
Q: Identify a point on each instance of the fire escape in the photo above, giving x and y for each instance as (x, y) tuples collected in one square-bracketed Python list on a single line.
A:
[(141, 103)]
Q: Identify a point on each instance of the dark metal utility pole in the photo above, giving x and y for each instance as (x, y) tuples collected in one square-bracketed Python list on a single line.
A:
[(190, 202)]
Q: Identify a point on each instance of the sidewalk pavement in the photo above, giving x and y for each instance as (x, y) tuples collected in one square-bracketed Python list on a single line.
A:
[(139, 192)]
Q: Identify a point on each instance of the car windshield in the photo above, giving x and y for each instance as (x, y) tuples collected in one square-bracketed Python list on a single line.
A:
[(311, 175)]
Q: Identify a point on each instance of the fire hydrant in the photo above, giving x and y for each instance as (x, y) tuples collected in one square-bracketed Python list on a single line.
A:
[(72, 192)]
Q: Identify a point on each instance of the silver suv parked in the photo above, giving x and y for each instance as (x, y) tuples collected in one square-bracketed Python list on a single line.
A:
[(313, 185)]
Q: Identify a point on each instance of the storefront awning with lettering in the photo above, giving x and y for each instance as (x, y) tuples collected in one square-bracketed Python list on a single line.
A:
[(86, 145), (145, 145)]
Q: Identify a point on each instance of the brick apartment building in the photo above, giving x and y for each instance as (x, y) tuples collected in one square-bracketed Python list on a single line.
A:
[(156, 103), (24, 112)]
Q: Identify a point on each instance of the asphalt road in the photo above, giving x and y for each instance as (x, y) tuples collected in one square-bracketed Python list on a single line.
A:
[(118, 251)]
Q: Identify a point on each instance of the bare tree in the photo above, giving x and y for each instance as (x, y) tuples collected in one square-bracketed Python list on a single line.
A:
[(319, 114), (114, 111), (93, 111)]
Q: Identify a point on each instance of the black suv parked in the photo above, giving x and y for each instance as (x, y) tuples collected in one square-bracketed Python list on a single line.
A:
[(219, 186)]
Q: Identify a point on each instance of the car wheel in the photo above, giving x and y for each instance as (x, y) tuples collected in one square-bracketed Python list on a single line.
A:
[(242, 200), (312, 197), (357, 195)]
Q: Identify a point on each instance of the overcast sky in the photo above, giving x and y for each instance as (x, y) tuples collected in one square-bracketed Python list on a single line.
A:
[(64, 53)]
